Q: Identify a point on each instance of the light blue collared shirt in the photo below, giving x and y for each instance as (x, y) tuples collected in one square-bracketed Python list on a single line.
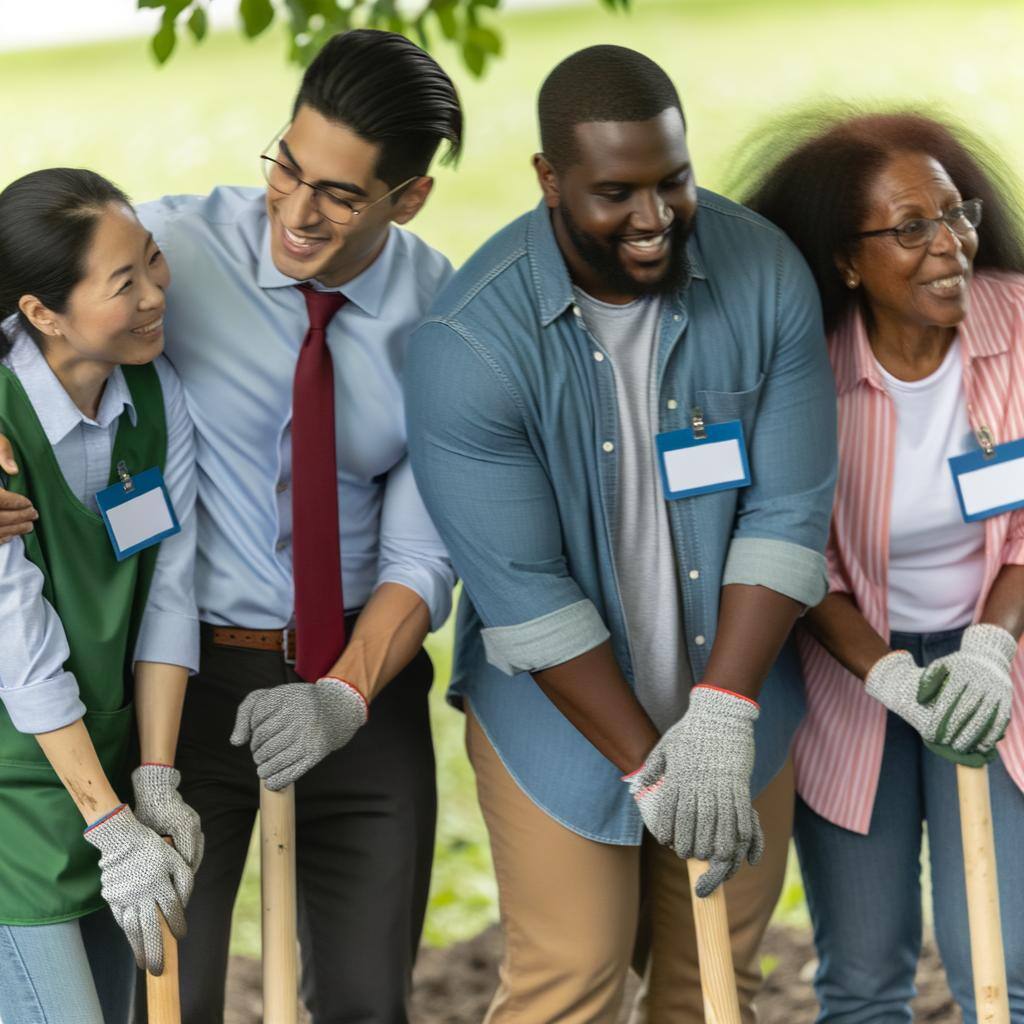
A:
[(234, 328), (37, 692), (515, 435)]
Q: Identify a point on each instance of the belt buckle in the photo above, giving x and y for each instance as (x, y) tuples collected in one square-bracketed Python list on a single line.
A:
[(286, 635)]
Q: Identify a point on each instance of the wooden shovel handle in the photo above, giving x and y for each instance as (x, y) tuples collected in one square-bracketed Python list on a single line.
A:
[(277, 881), (987, 958), (717, 978), (163, 998)]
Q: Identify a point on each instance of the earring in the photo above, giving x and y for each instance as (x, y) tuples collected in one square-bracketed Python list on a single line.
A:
[(852, 280)]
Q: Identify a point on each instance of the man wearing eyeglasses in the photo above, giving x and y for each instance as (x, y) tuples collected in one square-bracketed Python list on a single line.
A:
[(319, 572)]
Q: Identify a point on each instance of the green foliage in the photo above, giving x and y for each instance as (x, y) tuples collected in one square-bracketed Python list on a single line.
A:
[(312, 22)]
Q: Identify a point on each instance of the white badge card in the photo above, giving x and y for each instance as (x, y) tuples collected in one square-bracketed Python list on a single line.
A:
[(690, 465), (137, 512), (989, 485)]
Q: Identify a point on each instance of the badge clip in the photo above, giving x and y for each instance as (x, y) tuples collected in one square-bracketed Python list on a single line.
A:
[(126, 478), (987, 442), (697, 422)]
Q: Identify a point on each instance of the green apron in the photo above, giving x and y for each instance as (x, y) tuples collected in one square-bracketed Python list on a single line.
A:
[(48, 872)]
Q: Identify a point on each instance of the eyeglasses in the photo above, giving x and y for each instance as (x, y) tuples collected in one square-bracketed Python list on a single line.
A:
[(961, 219), (336, 206)]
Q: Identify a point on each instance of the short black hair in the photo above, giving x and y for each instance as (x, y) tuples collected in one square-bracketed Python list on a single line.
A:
[(810, 172), (389, 92), (600, 83), (47, 222)]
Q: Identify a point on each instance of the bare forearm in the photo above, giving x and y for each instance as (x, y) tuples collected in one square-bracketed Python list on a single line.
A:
[(1005, 604), (592, 693), (838, 625), (389, 633), (73, 757), (159, 698), (753, 623)]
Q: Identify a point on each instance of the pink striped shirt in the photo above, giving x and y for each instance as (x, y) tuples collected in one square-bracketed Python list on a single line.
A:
[(838, 747)]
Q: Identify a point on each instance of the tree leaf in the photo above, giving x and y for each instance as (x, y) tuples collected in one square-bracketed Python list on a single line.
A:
[(197, 24), (486, 39), (164, 40), (256, 16), (474, 57), (143, 4), (448, 21)]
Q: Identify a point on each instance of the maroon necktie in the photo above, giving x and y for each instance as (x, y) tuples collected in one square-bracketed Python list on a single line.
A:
[(316, 549)]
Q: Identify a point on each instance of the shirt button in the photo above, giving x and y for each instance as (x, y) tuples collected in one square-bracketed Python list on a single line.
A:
[(282, 486), (598, 357), (699, 641), (608, 446), (676, 317), (673, 404), (694, 574), (576, 311), (281, 545)]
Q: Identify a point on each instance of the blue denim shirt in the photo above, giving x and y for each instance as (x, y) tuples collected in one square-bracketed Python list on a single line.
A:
[(513, 431)]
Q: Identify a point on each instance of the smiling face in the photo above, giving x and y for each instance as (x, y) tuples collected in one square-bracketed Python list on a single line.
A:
[(114, 314), (305, 244), (623, 210), (913, 290)]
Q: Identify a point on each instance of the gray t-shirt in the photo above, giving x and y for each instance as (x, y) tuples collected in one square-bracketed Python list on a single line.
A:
[(645, 562)]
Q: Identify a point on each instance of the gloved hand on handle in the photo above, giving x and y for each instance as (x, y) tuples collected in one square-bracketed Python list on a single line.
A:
[(294, 726), (139, 874), (694, 789), (159, 805), (961, 701)]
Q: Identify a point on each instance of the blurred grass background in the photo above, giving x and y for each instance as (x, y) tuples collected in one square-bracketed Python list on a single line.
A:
[(204, 118)]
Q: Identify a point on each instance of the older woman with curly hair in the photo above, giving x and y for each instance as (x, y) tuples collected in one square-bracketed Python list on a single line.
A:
[(912, 660)]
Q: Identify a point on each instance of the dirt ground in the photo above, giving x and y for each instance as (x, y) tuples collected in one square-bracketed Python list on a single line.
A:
[(454, 985)]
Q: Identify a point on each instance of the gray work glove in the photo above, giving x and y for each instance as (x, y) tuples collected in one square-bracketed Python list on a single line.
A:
[(694, 789), (139, 874), (961, 701), (159, 805), (294, 726)]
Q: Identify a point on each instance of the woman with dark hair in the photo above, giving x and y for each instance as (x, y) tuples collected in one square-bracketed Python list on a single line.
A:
[(100, 629), (912, 659)]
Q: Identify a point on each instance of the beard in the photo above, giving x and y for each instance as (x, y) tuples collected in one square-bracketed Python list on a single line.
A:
[(603, 258)]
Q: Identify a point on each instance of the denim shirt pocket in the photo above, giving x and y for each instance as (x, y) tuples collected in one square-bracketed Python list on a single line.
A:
[(720, 406)]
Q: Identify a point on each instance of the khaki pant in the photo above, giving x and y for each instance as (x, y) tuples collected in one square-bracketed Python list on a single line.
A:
[(575, 913)]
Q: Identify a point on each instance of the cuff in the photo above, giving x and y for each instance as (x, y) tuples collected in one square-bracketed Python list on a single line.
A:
[(168, 638), (434, 589), (779, 565), (44, 706), (549, 640)]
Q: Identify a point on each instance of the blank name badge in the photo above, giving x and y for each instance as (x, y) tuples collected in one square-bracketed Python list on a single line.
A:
[(137, 512), (692, 465), (989, 483)]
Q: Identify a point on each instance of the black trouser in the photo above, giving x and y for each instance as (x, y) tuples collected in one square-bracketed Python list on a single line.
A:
[(364, 843)]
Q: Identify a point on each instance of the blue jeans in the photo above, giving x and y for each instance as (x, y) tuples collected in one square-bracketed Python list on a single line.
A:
[(864, 892), (75, 972)]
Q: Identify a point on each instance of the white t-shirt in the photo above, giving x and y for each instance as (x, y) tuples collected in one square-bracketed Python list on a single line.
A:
[(936, 560)]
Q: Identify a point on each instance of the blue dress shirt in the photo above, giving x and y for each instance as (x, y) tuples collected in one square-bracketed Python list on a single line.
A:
[(37, 692), (514, 438), (234, 327)]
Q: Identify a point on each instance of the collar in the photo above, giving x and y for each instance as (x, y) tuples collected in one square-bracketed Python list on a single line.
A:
[(853, 360), (366, 290), (551, 275), (58, 415)]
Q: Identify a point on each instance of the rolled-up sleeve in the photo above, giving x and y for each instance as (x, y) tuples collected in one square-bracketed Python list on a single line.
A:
[(783, 521), (169, 631), (411, 550), (37, 692), (493, 505)]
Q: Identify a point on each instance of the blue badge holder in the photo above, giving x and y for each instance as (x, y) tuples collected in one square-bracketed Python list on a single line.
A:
[(988, 455), (129, 488), (694, 436)]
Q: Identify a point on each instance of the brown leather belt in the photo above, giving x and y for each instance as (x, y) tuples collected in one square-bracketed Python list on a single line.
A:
[(280, 640)]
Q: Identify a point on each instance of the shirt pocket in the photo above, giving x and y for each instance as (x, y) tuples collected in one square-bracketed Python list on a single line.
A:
[(720, 406)]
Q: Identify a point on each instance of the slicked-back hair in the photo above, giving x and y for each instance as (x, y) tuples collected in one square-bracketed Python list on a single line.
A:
[(390, 93), (811, 172), (47, 222), (600, 83)]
